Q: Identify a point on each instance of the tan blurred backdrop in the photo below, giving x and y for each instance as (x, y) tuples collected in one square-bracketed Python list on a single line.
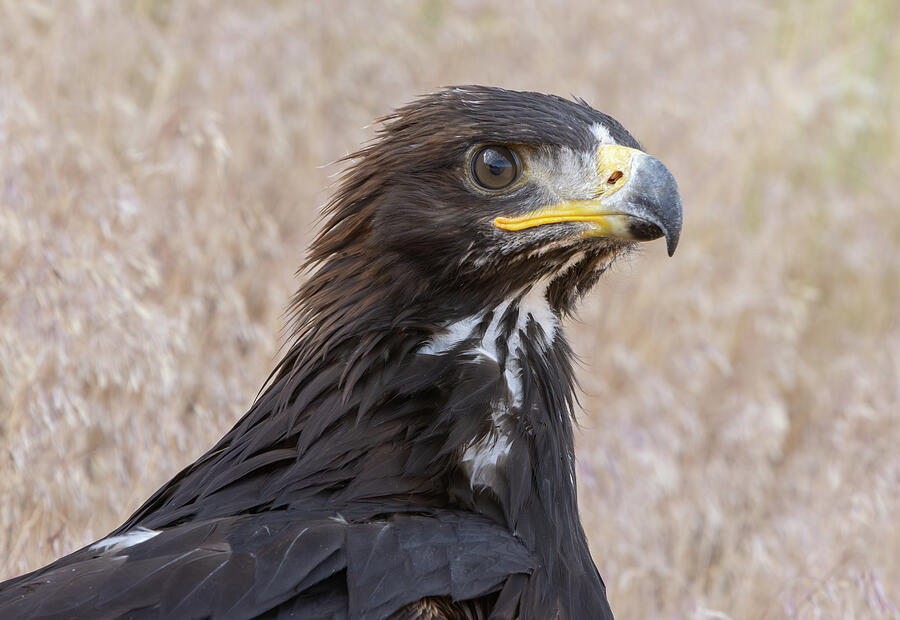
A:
[(161, 166)]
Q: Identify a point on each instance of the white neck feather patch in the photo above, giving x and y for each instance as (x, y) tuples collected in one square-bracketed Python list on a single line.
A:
[(482, 459)]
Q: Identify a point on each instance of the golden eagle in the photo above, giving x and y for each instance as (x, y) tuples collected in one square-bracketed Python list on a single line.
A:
[(412, 454)]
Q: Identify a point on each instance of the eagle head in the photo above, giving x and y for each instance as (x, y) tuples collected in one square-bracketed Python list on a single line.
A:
[(481, 192)]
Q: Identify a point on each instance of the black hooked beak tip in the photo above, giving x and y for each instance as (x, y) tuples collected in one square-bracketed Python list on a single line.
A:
[(652, 200)]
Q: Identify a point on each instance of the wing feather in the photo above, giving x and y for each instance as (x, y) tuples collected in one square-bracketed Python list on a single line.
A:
[(277, 563)]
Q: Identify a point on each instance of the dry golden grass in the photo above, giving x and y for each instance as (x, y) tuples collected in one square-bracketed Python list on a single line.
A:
[(160, 171)]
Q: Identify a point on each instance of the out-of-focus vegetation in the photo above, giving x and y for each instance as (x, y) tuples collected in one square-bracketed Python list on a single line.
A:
[(161, 164)]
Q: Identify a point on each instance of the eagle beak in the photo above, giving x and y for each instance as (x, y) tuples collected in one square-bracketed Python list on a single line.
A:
[(637, 199)]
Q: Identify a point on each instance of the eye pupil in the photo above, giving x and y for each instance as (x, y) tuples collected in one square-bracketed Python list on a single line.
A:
[(495, 167)]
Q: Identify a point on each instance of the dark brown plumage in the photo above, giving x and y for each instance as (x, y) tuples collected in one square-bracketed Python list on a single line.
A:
[(412, 454)]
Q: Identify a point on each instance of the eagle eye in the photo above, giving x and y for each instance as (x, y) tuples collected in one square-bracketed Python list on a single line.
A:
[(495, 167)]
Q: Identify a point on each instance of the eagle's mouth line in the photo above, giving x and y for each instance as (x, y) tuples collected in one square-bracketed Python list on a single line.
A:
[(542, 218)]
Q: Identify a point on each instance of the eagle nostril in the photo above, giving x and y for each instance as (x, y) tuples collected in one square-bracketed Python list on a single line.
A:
[(615, 176)]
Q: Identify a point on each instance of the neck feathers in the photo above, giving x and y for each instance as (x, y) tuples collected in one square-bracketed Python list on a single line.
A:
[(520, 466)]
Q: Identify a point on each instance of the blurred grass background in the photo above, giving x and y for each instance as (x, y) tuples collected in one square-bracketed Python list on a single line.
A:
[(161, 165)]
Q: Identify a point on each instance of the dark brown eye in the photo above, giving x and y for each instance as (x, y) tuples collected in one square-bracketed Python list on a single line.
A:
[(495, 167)]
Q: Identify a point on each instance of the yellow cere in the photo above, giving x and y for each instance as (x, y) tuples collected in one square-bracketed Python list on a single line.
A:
[(610, 158)]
